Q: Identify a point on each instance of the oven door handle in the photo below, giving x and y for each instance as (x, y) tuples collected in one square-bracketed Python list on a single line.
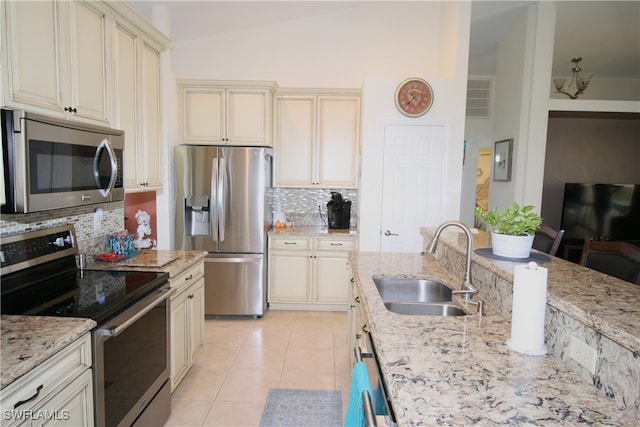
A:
[(367, 405), (114, 331)]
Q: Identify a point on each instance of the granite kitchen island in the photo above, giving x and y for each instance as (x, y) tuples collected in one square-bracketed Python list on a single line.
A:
[(460, 371)]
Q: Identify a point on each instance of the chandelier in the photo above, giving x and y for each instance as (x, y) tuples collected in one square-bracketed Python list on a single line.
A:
[(581, 80)]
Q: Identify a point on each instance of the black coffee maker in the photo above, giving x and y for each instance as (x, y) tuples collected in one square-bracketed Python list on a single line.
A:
[(338, 212)]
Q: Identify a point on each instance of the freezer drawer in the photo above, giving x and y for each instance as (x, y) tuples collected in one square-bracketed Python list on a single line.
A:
[(234, 284)]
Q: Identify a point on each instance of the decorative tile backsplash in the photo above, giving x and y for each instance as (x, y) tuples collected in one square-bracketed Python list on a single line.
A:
[(91, 239), (300, 204)]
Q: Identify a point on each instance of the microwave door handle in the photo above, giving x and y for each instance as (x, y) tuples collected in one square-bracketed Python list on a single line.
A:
[(104, 145)]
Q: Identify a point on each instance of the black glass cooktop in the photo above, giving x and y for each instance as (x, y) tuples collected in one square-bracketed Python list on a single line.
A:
[(92, 294)]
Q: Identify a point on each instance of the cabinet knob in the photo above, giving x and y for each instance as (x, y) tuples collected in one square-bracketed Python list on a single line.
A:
[(70, 109)]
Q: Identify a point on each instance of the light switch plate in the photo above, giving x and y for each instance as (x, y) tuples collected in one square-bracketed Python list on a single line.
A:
[(582, 353)]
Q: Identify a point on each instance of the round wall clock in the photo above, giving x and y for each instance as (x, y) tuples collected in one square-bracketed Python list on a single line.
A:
[(414, 97)]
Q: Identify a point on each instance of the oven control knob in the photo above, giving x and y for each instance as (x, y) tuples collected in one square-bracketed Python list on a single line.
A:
[(59, 242)]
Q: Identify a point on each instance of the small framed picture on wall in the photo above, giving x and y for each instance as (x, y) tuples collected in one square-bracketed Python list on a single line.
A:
[(502, 152)]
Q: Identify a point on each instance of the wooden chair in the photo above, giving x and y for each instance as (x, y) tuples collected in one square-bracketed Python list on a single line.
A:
[(617, 259), (547, 239)]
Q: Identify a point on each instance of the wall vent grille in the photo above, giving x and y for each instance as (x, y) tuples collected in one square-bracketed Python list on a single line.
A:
[(479, 97)]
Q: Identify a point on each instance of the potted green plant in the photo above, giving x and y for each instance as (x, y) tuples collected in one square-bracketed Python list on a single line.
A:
[(512, 229)]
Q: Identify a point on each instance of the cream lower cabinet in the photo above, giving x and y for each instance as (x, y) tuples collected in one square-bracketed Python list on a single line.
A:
[(187, 321), (309, 272), (59, 392)]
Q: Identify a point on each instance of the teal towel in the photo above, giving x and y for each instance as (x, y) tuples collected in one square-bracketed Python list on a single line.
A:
[(359, 382)]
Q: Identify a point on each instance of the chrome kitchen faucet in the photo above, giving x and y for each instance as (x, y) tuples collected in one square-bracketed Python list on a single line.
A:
[(467, 289)]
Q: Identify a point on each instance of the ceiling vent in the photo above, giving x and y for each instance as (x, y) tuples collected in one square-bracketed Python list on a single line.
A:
[(479, 97)]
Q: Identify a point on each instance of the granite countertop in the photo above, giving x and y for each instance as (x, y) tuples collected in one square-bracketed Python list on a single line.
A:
[(27, 341), (172, 262), (460, 371), (604, 303), (313, 231)]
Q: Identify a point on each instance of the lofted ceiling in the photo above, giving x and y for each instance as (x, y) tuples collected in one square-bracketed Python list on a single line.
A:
[(606, 34)]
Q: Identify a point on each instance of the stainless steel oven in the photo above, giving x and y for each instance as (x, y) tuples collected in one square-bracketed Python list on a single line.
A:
[(52, 163), (131, 308), (132, 364)]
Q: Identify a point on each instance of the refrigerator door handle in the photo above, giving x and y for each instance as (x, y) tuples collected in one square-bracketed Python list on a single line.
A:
[(215, 204), (222, 196)]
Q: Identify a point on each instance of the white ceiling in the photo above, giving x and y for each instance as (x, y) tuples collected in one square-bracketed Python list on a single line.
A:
[(606, 34)]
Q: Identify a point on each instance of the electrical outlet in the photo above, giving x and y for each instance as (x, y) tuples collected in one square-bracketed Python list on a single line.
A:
[(582, 353), (319, 203)]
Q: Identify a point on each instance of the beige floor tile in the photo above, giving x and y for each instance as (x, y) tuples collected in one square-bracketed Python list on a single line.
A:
[(186, 413), (252, 358), (200, 385), (248, 385), (235, 414), (245, 357), (342, 363), (308, 381), (311, 337), (228, 321), (309, 360), (225, 337), (222, 357), (261, 336)]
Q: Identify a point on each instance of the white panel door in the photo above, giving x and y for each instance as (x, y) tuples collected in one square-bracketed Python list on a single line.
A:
[(412, 185)]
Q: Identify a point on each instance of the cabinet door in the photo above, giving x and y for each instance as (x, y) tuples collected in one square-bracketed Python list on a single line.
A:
[(73, 406), (87, 61), (289, 277), (294, 135), (126, 107), (196, 320), (179, 339), (248, 118), (331, 278), (30, 60), (151, 161), (203, 120), (338, 136)]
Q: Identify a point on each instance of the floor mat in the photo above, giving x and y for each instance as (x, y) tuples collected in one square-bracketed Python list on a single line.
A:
[(302, 408)]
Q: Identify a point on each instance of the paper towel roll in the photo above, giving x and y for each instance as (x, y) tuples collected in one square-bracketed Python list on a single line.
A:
[(529, 304)]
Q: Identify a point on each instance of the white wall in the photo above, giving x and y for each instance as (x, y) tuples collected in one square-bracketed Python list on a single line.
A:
[(521, 104), (373, 46)]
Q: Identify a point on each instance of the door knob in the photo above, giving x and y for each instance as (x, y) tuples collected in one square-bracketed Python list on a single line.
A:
[(388, 233)]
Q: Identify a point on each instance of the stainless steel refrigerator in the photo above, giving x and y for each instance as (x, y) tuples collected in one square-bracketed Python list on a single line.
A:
[(220, 208)]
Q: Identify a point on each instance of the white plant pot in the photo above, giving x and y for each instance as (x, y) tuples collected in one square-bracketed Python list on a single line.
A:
[(511, 246)]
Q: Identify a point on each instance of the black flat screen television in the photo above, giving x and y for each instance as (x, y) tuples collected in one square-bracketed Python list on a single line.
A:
[(601, 211)]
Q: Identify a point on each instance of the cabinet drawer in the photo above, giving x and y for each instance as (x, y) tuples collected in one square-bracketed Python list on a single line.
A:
[(335, 244), (49, 378), (187, 277), (290, 243)]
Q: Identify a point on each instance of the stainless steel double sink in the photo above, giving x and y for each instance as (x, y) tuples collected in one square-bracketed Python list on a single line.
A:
[(417, 296)]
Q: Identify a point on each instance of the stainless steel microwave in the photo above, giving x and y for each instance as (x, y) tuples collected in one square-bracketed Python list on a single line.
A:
[(53, 163)]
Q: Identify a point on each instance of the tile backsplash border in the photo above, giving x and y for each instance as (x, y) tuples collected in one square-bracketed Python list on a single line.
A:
[(89, 239), (299, 204)]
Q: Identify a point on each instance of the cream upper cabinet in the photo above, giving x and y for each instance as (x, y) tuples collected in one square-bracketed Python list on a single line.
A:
[(316, 139), (56, 58), (225, 112), (137, 106), (137, 102)]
